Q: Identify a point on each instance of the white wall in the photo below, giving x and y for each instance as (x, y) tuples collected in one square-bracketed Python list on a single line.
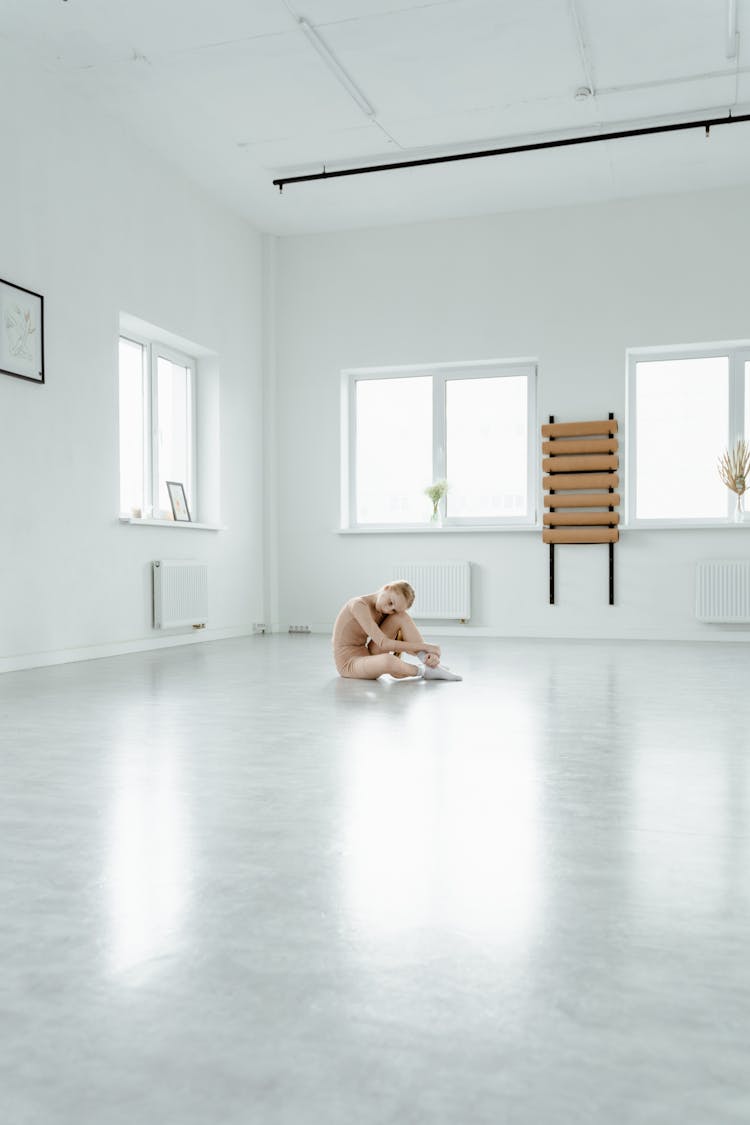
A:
[(573, 287), (98, 226)]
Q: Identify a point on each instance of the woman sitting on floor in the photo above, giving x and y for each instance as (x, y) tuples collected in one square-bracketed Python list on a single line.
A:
[(371, 633)]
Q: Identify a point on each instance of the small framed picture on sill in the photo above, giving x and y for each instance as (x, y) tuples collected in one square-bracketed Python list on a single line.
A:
[(178, 500)]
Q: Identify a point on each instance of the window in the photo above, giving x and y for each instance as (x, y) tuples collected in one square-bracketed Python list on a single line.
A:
[(471, 424), (157, 426), (685, 407)]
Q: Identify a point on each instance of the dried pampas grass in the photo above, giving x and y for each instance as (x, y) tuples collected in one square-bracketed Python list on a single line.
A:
[(734, 466)]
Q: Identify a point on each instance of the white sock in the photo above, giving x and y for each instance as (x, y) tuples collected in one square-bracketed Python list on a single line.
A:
[(439, 673)]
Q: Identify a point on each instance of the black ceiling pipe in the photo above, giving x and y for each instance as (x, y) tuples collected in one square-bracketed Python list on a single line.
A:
[(535, 146)]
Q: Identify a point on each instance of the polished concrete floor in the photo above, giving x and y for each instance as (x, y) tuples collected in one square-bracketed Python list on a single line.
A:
[(236, 889)]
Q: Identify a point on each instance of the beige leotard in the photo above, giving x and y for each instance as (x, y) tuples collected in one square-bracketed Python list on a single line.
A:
[(350, 637)]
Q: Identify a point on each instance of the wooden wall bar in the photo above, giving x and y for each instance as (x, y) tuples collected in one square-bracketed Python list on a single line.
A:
[(583, 463), (583, 480), (586, 445), (582, 500), (580, 535), (579, 429), (580, 519)]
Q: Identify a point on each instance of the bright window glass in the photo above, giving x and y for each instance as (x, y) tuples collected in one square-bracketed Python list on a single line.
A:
[(132, 426), (682, 412), (393, 450), (747, 401), (173, 403), (487, 447)]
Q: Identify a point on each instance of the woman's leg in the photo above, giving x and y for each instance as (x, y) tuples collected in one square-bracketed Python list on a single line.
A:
[(398, 626), (371, 667)]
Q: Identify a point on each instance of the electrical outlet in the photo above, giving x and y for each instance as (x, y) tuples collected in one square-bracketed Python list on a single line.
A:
[(299, 628), (259, 627)]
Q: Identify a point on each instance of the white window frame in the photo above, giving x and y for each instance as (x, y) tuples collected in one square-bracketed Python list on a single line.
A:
[(441, 374), (153, 351), (737, 355)]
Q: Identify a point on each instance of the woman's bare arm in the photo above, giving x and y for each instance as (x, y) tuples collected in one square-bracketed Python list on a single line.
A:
[(362, 614)]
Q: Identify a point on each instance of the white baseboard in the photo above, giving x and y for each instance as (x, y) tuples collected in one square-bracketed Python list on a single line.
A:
[(99, 652), (123, 648), (432, 630), (710, 633)]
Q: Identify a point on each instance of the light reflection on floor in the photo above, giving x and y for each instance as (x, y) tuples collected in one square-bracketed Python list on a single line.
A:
[(443, 833), (148, 866), (708, 795)]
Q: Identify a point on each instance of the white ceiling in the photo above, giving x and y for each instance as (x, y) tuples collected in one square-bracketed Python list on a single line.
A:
[(234, 94)]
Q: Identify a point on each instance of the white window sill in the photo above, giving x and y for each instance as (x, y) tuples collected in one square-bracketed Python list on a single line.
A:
[(675, 525), (656, 525), (172, 524), (445, 529)]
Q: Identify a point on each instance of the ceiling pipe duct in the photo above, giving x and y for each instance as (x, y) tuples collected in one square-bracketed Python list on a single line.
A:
[(508, 150), (337, 70), (733, 34)]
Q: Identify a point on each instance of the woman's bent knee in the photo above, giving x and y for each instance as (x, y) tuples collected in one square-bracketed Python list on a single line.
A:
[(394, 623)]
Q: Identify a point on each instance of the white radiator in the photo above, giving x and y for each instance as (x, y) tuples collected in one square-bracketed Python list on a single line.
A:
[(722, 591), (180, 593), (443, 590)]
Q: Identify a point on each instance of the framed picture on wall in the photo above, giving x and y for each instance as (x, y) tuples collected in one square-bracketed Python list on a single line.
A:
[(21, 332), (178, 500)]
